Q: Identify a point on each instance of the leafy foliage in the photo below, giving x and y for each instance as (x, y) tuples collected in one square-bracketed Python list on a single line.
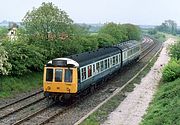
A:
[(47, 22), (152, 31), (133, 32), (175, 50), (105, 40), (169, 26), (5, 66), (113, 30), (121, 32), (23, 58), (171, 71)]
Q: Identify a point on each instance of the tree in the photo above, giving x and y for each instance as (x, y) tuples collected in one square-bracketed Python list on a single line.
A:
[(133, 32), (169, 26), (47, 22), (23, 58), (105, 40), (122, 32), (113, 30), (80, 30)]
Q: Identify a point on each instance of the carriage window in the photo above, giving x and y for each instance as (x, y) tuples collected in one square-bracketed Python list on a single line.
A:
[(68, 75), (49, 75), (90, 71), (117, 59), (106, 64), (114, 59), (102, 65), (58, 75), (111, 61), (94, 68), (83, 73), (97, 67)]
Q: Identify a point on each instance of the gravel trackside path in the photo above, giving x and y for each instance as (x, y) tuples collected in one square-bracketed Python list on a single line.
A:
[(132, 109)]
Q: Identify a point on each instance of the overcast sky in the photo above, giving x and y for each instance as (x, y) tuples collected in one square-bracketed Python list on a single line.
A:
[(144, 12)]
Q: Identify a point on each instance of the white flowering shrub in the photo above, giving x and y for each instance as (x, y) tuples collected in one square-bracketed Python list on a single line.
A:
[(5, 67)]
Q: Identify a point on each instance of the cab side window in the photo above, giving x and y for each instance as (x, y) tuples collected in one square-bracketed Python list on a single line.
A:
[(49, 75), (68, 75)]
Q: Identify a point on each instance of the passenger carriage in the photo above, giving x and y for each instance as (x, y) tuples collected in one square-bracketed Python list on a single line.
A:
[(66, 77)]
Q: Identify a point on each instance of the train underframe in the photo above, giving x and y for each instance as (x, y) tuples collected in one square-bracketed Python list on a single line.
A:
[(62, 97)]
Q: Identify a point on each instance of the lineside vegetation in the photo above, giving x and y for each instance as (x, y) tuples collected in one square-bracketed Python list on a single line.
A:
[(165, 107)]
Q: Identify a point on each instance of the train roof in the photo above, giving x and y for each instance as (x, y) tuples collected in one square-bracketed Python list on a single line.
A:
[(95, 55)]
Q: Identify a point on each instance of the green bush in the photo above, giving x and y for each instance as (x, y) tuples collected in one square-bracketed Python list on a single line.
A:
[(171, 71), (5, 66), (175, 50), (24, 58), (105, 40)]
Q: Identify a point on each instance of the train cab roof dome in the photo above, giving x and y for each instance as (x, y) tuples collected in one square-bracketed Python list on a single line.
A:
[(63, 62)]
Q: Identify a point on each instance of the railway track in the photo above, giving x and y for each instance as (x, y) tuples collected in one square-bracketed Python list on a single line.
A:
[(155, 46), (48, 112), (21, 99), (9, 111)]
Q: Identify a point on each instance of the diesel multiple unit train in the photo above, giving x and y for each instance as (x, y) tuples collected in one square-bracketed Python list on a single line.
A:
[(67, 77)]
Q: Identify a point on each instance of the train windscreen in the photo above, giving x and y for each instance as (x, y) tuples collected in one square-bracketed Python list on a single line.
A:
[(58, 75), (49, 75)]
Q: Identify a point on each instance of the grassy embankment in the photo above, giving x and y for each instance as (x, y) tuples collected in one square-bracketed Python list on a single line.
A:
[(10, 85), (165, 108)]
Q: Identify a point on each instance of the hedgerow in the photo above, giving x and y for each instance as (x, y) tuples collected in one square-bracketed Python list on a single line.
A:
[(171, 71)]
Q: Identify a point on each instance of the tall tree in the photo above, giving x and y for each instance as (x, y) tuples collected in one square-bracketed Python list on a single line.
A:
[(133, 32), (168, 26), (47, 22), (114, 30)]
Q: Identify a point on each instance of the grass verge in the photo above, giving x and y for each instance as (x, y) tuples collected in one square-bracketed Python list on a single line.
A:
[(11, 85), (165, 107), (102, 113)]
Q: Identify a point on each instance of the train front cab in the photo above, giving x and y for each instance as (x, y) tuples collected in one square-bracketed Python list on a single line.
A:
[(60, 81)]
